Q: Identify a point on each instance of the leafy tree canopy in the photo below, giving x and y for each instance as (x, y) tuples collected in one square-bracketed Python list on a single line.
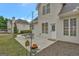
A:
[(3, 23)]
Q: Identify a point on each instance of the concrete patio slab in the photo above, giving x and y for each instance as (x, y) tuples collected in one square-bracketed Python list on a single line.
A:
[(42, 43), (60, 48)]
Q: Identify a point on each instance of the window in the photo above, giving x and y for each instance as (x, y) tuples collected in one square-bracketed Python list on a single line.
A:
[(53, 27), (66, 27), (44, 27), (46, 9), (31, 26), (43, 10), (70, 27), (73, 27)]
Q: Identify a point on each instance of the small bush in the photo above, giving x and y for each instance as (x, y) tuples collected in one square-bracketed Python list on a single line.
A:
[(27, 43), (21, 32), (29, 31), (15, 29), (25, 31)]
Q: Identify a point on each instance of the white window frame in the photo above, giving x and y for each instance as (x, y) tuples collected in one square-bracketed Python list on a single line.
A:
[(69, 19), (73, 28), (64, 28), (44, 28), (46, 9)]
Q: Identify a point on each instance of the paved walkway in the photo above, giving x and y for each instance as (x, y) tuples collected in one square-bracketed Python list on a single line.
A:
[(21, 39), (42, 43), (60, 48)]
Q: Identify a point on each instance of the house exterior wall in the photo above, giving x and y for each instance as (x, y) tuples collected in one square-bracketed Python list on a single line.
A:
[(21, 27), (53, 17), (61, 36), (9, 26), (13, 21), (50, 18), (35, 31)]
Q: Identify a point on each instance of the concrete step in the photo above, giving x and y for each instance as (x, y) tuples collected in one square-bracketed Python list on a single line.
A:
[(52, 39)]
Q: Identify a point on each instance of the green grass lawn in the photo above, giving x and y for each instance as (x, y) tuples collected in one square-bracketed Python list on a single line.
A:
[(9, 46)]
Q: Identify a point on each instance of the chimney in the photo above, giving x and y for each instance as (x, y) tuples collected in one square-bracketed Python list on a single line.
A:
[(13, 18), (13, 21)]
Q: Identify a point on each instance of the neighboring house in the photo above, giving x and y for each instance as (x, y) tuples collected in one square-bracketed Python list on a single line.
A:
[(10, 25), (20, 24), (58, 21)]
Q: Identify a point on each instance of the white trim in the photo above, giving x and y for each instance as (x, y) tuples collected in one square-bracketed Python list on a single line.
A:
[(69, 13), (69, 26)]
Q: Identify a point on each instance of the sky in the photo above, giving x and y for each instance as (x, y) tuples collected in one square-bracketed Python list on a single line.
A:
[(18, 10)]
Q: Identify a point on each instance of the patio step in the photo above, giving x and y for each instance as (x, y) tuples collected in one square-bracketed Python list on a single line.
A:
[(52, 39)]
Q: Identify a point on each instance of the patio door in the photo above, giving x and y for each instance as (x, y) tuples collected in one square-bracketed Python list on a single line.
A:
[(53, 31)]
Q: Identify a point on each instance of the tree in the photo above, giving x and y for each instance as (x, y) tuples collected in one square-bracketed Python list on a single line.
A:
[(27, 43), (3, 23)]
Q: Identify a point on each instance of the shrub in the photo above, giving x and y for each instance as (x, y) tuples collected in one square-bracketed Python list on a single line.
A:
[(28, 31), (25, 31), (15, 29), (27, 43), (21, 32)]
